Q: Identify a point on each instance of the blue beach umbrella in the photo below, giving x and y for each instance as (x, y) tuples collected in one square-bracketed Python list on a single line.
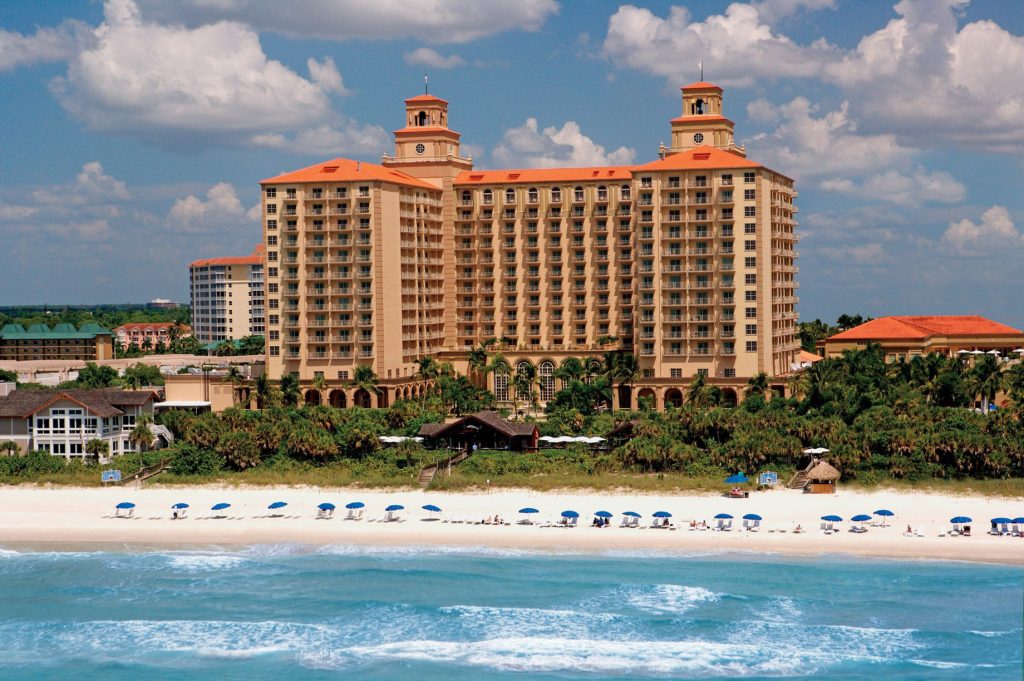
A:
[(959, 520), (884, 513), (395, 507), (180, 505), (125, 504), (603, 514), (831, 519), (326, 506), (632, 514), (662, 514), (723, 516), (432, 508), (737, 479), (354, 505), (1001, 521), (570, 514), (749, 516), (862, 518), (220, 507), (528, 510), (277, 504), (1018, 521)]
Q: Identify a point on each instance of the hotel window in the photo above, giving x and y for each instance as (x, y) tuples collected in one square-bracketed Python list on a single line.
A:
[(271, 224), (749, 211), (272, 240), (749, 194), (675, 373), (750, 279), (726, 230), (750, 245), (750, 296), (510, 196), (748, 177), (750, 329), (751, 346), (271, 271), (275, 351), (271, 208), (750, 261), (271, 192), (729, 373), (727, 179), (750, 228)]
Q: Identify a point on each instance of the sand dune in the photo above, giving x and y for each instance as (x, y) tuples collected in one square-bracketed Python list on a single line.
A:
[(83, 516)]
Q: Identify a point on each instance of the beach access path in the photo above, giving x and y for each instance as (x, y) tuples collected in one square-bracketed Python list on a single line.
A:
[(77, 518)]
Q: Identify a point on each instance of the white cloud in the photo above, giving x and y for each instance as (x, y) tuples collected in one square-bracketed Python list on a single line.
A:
[(221, 204), (529, 147), (92, 187), (45, 45), (326, 75), (995, 233), (911, 188), (434, 59), (15, 212), (345, 137), (862, 254), (434, 21), (773, 10), (172, 84), (737, 47)]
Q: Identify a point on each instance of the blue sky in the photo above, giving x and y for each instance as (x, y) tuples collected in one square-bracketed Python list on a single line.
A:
[(137, 130)]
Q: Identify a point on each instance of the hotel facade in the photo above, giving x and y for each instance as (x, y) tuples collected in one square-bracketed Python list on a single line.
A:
[(227, 297), (688, 262)]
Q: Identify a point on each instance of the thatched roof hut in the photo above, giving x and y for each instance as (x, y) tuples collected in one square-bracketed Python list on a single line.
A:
[(823, 472)]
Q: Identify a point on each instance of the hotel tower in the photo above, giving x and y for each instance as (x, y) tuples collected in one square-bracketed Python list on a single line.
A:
[(687, 262)]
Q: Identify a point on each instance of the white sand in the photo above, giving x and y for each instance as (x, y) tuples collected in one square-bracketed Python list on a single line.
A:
[(65, 516)]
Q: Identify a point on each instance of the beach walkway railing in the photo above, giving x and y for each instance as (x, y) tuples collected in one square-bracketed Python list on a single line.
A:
[(146, 472), (427, 473)]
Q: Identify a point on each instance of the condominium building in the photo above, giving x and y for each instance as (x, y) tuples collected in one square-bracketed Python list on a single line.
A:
[(89, 343), (687, 261), (227, 296)]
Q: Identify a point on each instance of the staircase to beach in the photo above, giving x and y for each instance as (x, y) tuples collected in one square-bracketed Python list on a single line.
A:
[(798, 481), (427, 473)]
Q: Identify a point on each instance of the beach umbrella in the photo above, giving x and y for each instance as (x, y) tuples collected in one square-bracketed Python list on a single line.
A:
[(831, 519), (723, 516), (354, 505), (816, 450), (994, 352), (180, 505), (603, 514), (1018, 521), (395, 507), (326, 506), (1019, 351), (125, 504), (1001, 521), (749, 516), (884, 513), (959, 520), (528, 510), (963, 352), (277, 504), (977, 352), (737, 479), (431, 508), (570, 514), (545, 438), (220, 507), (632, 514), (862, 518), (662, 514)]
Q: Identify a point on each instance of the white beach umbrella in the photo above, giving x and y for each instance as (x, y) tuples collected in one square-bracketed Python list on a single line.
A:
[(963, 352), (994, 352)]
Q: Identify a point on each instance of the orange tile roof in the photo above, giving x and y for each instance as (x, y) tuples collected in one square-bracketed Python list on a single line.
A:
[(435, 129), (425, 98), (810, 357), (701, 85), (924, 327), (348, 170), (255, 259), (698, 158), (702, 117), (594, 174)]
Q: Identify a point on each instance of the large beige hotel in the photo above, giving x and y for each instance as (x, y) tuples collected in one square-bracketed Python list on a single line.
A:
[(687, 261)]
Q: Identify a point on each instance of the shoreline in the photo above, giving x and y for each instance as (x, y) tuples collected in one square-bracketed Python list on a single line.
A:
[(73, 519)]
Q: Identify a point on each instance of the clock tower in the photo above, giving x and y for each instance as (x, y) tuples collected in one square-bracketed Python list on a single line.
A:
[(702, 122), (426, 147)]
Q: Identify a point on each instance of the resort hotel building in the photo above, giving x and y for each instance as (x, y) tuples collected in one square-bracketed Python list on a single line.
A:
[(227, 297), (687, 262)]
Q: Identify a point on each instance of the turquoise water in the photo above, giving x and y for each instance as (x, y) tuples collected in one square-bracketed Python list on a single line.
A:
[(298, 613)]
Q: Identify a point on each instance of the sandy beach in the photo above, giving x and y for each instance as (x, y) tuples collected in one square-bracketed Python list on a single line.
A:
[(81, 517)]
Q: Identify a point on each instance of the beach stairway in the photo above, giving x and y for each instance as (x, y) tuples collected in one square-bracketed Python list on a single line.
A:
[(140, 476), (427, 473), (799, 479)]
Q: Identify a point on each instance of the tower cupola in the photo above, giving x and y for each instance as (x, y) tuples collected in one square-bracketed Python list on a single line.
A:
[(702, 122)]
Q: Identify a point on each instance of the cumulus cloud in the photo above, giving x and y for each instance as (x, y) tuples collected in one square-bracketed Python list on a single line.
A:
[(173, 84), (529, 147), (773, 10), (92, 186), (195, 214), (434, 21), (45, 45), (326, 75), (344, 137), (910, 188), (426, 56), (860, 254), (737, 47), (996, 232)]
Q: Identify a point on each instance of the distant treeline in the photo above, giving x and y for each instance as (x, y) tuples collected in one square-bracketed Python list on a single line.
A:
[(109, 316)]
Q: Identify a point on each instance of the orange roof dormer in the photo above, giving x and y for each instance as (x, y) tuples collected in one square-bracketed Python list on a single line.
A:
[(701, 85), (421, 99)]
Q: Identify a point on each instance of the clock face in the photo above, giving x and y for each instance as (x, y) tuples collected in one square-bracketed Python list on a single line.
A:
[(698, 138), (420, 148)]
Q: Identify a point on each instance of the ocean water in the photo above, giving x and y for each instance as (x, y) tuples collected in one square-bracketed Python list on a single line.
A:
[(297, 613)]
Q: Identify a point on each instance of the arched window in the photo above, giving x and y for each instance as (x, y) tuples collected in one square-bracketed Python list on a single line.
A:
[(533, 195), (556, 195), (421, 119), (501, 386), (466, 196), (624, 192), (578, 194), (545, 371), (602, 193), (510, 196), (488, 196)]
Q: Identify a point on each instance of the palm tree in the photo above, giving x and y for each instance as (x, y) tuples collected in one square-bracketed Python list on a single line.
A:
[(572, 370), (364, 377), (147, 344), (497, 365), (237, 380), (627, 368), (319, 383), (141, 436), (225, 348), (9, 446), (427, 370), (98, 448), (986, 379), (526, 375), (477, 358), (289, 387), (757, 385)]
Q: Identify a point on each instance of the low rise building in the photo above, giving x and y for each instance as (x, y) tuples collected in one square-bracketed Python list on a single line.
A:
[(90, 342), (154, 332), (61, 422), (905, 337)]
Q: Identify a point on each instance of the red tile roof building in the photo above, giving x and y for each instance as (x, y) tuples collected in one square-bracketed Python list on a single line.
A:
[(155, 332), (903, 337), (687, 261)]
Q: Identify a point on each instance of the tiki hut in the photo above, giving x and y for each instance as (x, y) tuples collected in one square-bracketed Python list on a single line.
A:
[(822, 478)]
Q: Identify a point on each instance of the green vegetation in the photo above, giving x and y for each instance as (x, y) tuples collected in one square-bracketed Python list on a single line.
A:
[(813, 331), (108, 316)]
